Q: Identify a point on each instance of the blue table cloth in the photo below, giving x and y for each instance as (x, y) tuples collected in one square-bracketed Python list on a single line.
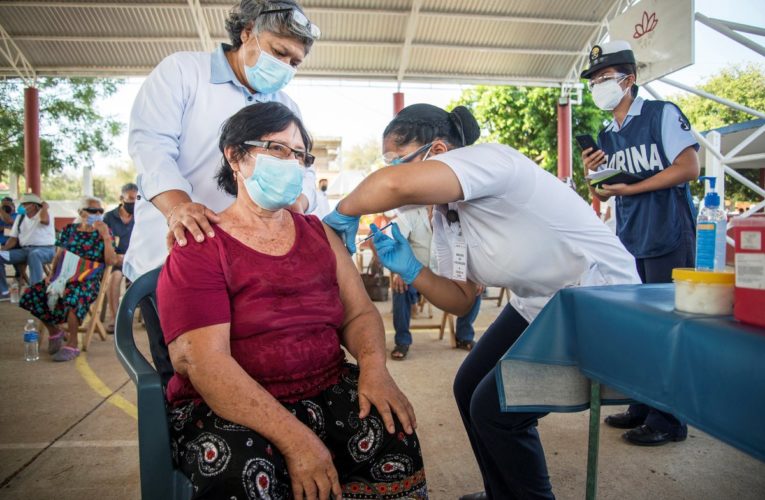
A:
[(708, 371)]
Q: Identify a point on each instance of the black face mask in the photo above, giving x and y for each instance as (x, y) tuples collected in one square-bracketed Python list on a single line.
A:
[(7, 209), (129, 207), (323, 188)]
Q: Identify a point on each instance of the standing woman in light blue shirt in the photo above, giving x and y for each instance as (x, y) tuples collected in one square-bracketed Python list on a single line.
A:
[(176, 119)]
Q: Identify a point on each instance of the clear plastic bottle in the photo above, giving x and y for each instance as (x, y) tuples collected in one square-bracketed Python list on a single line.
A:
[(711, 226), (13, 289), (31, 341)]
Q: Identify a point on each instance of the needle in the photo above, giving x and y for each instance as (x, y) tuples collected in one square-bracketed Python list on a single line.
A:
[(386, 226)]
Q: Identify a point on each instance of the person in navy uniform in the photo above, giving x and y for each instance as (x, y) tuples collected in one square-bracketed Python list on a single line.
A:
[(655, 217)]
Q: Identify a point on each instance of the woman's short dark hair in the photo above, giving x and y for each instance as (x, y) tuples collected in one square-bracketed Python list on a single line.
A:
[(247, 15), (252, 123), (424, 123)]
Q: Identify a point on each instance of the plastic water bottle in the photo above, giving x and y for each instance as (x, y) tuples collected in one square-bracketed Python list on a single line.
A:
[(31, 341), (711, 226), (13, 289)]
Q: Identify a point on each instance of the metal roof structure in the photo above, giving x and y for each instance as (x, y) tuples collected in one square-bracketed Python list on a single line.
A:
[(456, 41), (732, 136)]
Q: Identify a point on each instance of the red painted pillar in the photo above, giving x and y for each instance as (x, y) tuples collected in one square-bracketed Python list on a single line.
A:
[(398, 102), (32, 139), (564, 139), (596, 206)]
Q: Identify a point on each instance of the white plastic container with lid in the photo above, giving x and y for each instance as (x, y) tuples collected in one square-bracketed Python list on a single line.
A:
[(703, 292)]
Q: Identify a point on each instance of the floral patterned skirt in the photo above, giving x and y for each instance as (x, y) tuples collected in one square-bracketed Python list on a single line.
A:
[(78, 296)]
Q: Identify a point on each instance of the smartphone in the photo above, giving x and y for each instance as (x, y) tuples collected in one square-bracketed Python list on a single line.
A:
[(586, 141)]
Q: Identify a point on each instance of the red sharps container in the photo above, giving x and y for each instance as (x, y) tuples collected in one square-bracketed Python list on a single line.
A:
[(749, 234)]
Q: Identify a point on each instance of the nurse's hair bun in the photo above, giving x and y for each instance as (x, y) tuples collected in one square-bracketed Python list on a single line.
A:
[(465, 122), (423, 123)]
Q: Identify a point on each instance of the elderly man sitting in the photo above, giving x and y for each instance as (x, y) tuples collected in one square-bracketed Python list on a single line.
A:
[(30, 242)]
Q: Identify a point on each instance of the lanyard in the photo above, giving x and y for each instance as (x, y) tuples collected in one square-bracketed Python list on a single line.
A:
[(457, 242)]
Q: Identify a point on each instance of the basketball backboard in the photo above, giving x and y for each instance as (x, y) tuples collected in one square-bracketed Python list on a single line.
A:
[(660, 33)]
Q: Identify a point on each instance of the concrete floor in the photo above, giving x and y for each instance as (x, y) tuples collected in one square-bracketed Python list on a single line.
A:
[(68, 431)]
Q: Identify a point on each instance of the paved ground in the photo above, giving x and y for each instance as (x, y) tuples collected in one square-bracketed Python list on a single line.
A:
[(68, 431)]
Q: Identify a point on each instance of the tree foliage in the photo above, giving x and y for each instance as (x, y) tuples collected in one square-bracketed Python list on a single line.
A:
[(364, 157), (71, 127), (68, 186), (526, 118), (743, 85)]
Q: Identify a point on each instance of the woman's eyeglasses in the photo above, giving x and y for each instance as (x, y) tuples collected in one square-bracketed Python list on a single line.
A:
[(282, 151), (93, 210), (391, 159)]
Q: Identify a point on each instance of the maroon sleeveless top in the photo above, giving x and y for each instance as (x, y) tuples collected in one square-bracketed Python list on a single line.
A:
[(285, 312)]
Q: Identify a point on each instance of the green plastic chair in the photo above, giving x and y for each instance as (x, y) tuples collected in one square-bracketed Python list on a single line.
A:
[(160, 479)]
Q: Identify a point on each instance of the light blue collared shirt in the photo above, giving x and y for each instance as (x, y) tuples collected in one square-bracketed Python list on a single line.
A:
[(173, 141), (674, 135)]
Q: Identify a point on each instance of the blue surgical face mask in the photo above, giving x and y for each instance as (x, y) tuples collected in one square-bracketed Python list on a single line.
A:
[(275, 183), (21, 210), (269, 74), (93, 218)]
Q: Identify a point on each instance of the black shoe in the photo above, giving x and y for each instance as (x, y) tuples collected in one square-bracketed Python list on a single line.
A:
[(481, 495), (645, 436), (624, 420)]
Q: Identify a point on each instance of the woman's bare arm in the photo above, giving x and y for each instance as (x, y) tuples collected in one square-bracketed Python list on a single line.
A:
[(363, 334), (204, 356)]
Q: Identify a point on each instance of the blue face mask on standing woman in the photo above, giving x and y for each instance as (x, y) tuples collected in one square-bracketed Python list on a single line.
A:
[(275, 183), (269, 74)]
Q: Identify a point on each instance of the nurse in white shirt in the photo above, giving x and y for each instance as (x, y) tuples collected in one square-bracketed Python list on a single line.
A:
[(500, 220), (176, 118)]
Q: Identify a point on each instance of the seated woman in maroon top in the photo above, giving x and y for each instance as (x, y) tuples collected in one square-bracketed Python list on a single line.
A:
[(263, 404)]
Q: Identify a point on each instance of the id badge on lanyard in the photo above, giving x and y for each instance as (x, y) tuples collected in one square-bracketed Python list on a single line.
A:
[(459, 252)]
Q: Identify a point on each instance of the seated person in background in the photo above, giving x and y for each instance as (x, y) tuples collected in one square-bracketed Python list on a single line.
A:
[(7, 216), (31, 240), (262, 402), (120, 223), (65, 297)]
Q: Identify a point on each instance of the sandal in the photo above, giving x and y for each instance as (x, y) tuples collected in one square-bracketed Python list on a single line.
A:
[(55, 342), (66, 353), (399, 352), (465, 345)]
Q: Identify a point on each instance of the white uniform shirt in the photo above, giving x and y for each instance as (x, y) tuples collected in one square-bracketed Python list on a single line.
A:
[(32, 232), (526, 230), (414, 225), (173, 140), (322, 205)]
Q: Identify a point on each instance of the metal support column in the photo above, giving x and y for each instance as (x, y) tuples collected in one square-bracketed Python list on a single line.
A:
[(596, 206), (564, 139), (593, 444), (32, 139), (398, 102)]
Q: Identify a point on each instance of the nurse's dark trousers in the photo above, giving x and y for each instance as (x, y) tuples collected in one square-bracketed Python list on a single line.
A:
[(506, 445), (659, 270)]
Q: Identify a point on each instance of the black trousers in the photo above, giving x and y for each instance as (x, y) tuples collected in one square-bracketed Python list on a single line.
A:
[(659, 270), (506, 445)]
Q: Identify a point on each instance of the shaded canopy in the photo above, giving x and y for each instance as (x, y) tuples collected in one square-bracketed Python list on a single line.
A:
[(456, 41)]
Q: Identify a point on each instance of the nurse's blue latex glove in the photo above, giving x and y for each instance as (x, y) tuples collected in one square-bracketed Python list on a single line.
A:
[(346, 227), (396, 254)]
